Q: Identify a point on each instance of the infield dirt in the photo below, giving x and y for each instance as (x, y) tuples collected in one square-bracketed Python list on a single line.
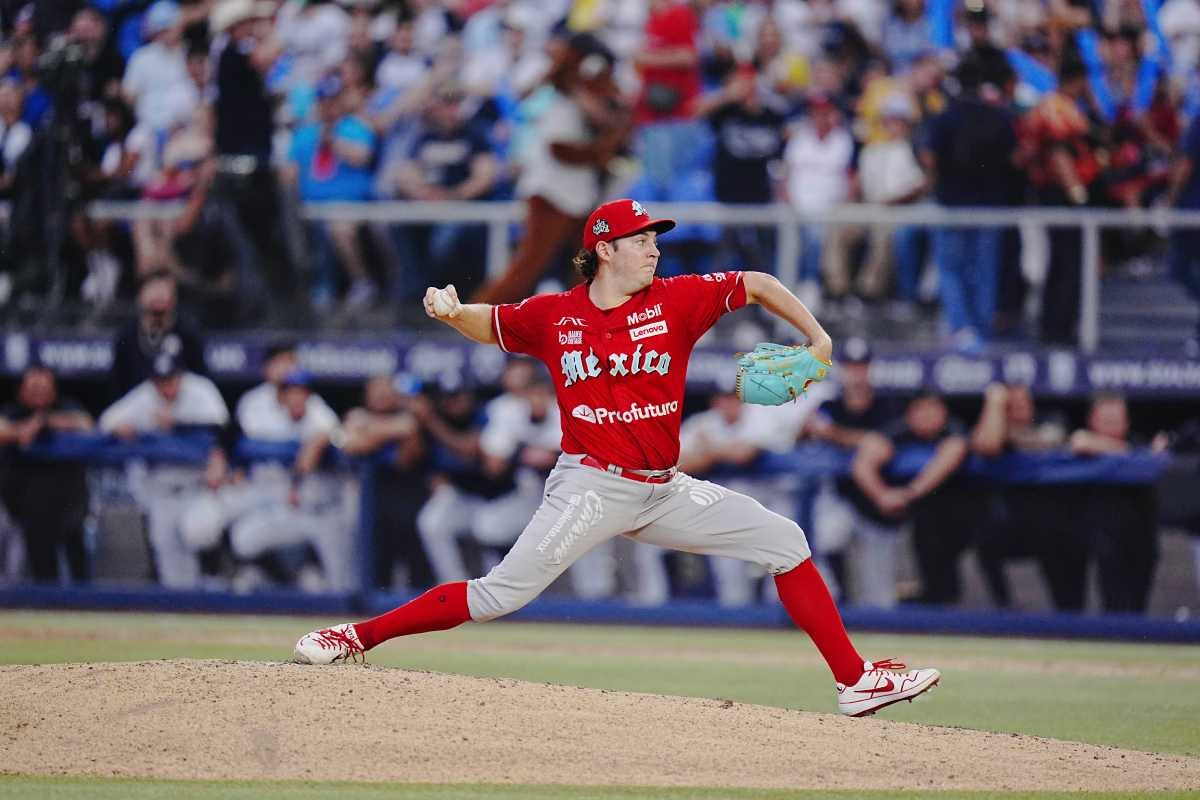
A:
[(256, 720)]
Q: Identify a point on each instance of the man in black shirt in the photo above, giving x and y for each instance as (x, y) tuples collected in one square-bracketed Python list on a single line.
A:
[(245, 186), (157, 330), (883, 501), (995, 71), (450, 159), (970, 153), (749, 136), (48, 500)]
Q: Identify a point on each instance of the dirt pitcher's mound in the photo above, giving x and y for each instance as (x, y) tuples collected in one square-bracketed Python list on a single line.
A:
[(216, 719)]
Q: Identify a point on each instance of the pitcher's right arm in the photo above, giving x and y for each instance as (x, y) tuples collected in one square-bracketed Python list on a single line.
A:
[(473, 320)]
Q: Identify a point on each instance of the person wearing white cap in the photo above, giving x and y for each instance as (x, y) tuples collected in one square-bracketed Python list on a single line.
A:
[(156, 82), (168, 400)]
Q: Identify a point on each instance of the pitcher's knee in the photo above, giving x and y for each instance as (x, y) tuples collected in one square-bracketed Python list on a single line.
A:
[(782, 547), (489, 598)]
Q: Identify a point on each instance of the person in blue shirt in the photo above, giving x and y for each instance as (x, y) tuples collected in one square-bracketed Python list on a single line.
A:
[(450, 159), (331, 161), (970, 149)]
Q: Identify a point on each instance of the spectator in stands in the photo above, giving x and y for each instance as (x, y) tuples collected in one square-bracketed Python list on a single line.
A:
[(244, 188), (15, 133), (564, 164), (361, 46), (748, 126), (162, 165), (357, 74), (972, 147), (838, 538), (158, 330), (1029, 521), (1179, 21), (1183, 192), (48, 501), (170, 401), (994, 71), (330, 160), (406, 77), (292, 506), (38, 101), (1062, 168), (669, 63), (728, 31), (402, 67), (503, 64), (315, 39), (883, 502), (124, 169), (818, 158), (906, 34), (386, 420), (888, 174), (451, 159), (102, 61), (1122, 519), (783, 69), (156, 82)]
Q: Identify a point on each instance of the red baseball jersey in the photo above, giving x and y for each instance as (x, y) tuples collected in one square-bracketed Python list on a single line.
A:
[(619, 373)]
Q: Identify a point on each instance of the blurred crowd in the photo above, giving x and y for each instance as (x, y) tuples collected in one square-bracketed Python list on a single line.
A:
[(461, 469), (236, 111)]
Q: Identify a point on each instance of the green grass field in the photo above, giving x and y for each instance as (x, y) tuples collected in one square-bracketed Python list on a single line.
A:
[(1144, 697)]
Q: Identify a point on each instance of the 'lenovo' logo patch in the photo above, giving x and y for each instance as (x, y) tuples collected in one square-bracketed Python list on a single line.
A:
[(648, 330)]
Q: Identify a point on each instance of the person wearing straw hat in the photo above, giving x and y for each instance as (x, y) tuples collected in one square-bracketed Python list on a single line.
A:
[(245, 185)]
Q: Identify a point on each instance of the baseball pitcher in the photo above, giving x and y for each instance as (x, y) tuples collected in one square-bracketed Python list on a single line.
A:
[(618, 346)]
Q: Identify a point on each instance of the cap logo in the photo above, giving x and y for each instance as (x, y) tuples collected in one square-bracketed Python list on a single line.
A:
[(638, 211), (600, 226)]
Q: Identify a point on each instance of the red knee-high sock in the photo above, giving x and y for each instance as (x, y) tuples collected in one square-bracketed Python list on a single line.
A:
[(440, 608), (808, 603)]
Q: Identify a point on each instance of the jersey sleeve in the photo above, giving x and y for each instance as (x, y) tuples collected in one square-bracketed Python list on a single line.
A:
[(708, 297), (523, 327)]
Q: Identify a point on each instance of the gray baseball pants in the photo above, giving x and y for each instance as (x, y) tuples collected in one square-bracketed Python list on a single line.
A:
[(584, 507)]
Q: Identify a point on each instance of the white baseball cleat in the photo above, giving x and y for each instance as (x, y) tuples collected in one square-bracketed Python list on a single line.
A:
[(329, 646), (883, 683)]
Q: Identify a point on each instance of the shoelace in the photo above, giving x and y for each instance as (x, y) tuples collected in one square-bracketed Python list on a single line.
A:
[(883, 665), (332, 639)]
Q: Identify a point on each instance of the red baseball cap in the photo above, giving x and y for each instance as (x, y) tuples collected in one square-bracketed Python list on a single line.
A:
[(617, 219)]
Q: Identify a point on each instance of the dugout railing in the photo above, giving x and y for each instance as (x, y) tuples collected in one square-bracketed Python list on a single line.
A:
[(805, 466)]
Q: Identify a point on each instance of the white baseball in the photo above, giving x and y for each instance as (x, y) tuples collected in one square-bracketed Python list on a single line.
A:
[(442, 303)]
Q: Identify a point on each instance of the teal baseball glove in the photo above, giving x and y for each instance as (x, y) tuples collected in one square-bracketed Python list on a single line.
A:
[(774, 374)]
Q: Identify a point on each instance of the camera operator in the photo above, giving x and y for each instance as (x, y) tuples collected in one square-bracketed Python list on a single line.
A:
[(77, 71)]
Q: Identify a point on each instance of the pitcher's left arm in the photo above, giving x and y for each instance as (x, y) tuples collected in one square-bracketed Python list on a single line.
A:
[(768, 292)]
